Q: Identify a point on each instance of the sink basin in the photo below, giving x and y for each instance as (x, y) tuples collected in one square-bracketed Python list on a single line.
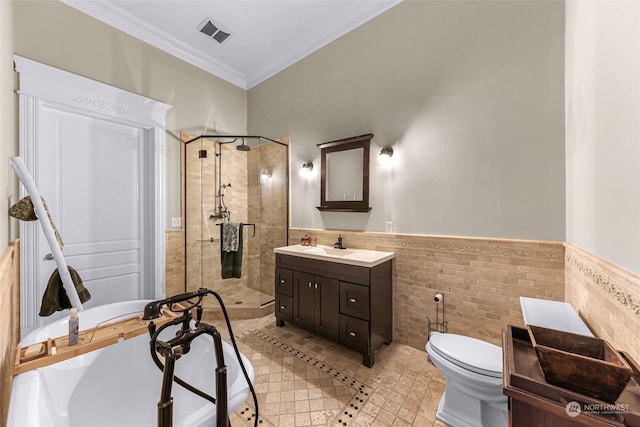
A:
[(329, 251), (353, 256)]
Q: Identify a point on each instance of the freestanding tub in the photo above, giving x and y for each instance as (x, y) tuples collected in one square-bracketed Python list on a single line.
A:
[(119, 385)]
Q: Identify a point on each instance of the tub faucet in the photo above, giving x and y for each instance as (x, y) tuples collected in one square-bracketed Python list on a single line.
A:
[(338, 244)]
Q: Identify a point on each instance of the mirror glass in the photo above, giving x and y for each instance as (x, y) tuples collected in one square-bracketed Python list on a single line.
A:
[(344, 175), (344, 181)]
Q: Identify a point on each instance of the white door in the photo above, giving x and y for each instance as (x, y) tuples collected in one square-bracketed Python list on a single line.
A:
[(90, 172), (96, 154)]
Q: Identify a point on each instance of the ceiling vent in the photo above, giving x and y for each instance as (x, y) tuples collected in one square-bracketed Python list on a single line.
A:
[(213, 31)]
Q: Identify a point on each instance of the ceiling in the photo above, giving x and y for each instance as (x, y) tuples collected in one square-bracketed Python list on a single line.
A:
[(266, 36)]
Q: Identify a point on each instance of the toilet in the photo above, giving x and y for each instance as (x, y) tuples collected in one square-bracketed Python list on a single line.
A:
[(473, 373)]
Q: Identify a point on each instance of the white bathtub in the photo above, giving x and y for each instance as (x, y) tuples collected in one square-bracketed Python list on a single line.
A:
[(120, 385)]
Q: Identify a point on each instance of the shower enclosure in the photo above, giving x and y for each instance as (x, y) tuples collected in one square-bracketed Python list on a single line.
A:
[(242, 179)]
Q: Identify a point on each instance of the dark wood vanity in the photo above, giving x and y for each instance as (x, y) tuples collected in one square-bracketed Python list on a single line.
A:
[(346, 303)]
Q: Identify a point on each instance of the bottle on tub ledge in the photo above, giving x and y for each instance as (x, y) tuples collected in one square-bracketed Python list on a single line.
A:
[(73, 326)]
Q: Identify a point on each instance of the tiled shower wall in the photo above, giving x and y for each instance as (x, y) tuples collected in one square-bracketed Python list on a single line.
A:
[(482, 279), (605, 295)]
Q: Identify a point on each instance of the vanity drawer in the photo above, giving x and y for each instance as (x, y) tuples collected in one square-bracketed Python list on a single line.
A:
[(284, 308), (354, 333), (284, 281), (354, 300)]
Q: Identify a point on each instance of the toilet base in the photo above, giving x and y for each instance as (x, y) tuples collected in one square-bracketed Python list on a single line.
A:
[(449, 418), (475, 412)]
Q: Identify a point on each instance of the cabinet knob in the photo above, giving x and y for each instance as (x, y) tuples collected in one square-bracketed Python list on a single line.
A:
[(282, 307), (310, 284), (316, 286), (352, 300), (353, 334), (282, 281)]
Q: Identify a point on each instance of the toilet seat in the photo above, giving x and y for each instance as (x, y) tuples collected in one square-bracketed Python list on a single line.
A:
[(469, 353)]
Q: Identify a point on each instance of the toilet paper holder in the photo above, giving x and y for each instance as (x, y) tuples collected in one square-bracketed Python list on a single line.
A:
[(437, 326)]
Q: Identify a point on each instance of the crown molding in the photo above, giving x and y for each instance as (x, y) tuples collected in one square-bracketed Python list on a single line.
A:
[(123, 21), (317, 39), (285, 57)]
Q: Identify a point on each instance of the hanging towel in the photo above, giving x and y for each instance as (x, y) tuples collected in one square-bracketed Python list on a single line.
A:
[(231, 260), (230, 239), (24, 211), (55, 297)]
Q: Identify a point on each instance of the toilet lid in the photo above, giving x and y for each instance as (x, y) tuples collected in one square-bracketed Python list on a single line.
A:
[(469, 353)]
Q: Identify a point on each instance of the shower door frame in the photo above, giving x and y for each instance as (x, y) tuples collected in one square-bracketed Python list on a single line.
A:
[(187, 139)]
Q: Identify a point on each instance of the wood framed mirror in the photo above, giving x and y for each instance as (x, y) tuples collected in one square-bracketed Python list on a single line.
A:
[(344, 180)]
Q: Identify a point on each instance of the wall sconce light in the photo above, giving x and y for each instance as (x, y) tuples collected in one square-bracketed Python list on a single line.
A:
[(385, 156), (306, 169)]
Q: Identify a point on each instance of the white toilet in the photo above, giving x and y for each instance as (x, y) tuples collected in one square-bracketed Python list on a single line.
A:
[(473, 373)]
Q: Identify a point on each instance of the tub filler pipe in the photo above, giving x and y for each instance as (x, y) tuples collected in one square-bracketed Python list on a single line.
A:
[(174, 348)]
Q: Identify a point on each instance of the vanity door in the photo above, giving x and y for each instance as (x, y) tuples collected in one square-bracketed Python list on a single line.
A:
[(316, 304), (304, 300), (327, 303)]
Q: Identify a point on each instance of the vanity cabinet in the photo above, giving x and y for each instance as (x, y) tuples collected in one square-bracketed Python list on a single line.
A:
[(349, 304), (315, 304)]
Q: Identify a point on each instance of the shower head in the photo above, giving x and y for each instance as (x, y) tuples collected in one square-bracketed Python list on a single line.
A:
[(243, 146)]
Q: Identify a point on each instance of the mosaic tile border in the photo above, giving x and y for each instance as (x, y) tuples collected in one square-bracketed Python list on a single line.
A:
[(595, 273), (539, 250), (363, 391), (351, 410)]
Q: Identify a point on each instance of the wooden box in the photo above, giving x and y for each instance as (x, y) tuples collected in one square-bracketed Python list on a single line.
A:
[(580, 363)]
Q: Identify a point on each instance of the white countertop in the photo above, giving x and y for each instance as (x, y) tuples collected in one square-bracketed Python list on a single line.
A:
[(351, 256)]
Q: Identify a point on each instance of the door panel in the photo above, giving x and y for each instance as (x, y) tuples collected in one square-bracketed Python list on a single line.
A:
[(90, 172), (327, 307), (303, 294)]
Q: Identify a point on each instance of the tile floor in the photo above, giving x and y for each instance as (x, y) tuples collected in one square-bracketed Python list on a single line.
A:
[(305, 380)]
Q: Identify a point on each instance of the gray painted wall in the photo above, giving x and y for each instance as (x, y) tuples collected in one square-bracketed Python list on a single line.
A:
[(470, 95), (603, 130)]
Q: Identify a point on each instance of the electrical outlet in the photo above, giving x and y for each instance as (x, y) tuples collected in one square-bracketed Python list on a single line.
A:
[(176, 221)]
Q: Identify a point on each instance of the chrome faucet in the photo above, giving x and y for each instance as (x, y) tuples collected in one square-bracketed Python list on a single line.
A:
[(338, 244)]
